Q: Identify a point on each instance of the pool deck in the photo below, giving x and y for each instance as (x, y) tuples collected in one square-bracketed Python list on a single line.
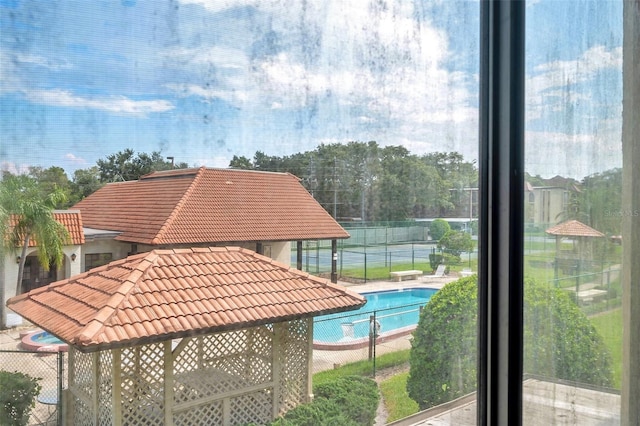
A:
[(425, 281)]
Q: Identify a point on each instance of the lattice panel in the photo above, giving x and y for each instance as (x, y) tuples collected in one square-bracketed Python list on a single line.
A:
[(255, 407), (293, 355), (262, 341), (81, 413), (143, 385), (105, 388), (224, 344), (83, 373), (210, 414), (188, 359)]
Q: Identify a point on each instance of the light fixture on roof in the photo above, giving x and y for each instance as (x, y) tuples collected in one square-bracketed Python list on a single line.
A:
[(17, 259), (73, 257)]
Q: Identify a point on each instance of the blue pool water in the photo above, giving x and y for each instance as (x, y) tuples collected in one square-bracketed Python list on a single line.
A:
[(394, 309), (46, 337)]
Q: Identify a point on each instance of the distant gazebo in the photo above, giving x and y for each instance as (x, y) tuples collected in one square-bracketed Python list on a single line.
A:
[(185, 336), (574, 230)]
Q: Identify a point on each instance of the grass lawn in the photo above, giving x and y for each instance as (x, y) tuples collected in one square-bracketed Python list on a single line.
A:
[(609, 325), (363, 368), (396, 399)]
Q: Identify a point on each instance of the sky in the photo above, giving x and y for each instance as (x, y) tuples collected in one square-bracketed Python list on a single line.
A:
[(206, 80)]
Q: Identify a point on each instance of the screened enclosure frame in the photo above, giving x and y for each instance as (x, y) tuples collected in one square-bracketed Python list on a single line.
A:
[(501, 221)]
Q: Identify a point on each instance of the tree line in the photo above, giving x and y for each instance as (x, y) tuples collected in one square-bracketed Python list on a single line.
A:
[(365, 181), (360, 181)]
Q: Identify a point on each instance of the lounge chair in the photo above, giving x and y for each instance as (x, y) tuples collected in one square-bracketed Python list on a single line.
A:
[(438, 274)]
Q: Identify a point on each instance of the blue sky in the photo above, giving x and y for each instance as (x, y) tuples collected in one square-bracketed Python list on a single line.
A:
[(204, 80)]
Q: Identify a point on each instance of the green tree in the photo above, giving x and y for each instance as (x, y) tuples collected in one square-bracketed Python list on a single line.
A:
[(456, 242), (31, 212), (601, 201), (438, 228), (126, 165), (240, 163), (454, 175), (52, 179), (559, 342), (85, 182)]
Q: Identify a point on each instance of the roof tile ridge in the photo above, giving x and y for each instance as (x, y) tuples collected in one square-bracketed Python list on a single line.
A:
[(99, 321), (167, 224)]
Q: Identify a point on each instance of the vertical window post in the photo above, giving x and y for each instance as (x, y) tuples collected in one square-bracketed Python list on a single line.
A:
[(630, 410), (501, 224)]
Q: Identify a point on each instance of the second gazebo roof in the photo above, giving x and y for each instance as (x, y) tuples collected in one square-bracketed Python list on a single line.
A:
[(573, 228)]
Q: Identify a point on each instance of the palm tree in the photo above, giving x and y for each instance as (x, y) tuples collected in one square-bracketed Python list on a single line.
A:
[(27, 214)]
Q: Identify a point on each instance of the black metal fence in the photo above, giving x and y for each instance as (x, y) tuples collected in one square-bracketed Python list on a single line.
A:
[(367, 263), (363, 336), (48, 369)]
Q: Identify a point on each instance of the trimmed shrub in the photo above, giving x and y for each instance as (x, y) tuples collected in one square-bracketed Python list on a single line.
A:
[(560, 342), (349, 400), (435, 259), (443, 349), (456, 242), (18, 393)]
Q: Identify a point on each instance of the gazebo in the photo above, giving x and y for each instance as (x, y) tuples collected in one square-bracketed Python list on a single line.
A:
[(197, 336), (575, 230)]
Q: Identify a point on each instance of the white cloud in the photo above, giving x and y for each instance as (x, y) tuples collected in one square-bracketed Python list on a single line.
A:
[(13, 168), (75, 160), (27, 58), (114, 104), (219, 5), (574, 155), (234, 97), (552, 82), (220, 162), (380, 60)]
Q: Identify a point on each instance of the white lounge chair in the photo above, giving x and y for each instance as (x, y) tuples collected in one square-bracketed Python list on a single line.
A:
[(438, 274), (466, 272)]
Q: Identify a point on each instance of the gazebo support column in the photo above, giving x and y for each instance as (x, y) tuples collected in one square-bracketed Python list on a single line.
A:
[(117, 387), (168, 384), (299, 255), (310, 360), (276, 365), (95, 388)]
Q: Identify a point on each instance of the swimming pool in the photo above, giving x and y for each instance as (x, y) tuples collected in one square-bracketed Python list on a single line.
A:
[(43, 341), (397, 313)]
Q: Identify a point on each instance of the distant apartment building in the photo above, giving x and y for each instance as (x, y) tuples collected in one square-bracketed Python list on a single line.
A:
[(544, 204)]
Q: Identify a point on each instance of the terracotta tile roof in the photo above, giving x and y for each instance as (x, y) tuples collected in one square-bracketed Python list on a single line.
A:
[(209, 206), (167, 294), (70, 219), (574, 228)]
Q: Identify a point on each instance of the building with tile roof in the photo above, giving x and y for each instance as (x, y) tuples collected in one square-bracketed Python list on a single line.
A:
[(262, 211), (168, 335), (34, 274), (200, 207)]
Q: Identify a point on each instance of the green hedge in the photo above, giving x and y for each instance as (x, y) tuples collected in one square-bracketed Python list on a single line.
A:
[(18, 392), (346, 401), (559, 342)]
